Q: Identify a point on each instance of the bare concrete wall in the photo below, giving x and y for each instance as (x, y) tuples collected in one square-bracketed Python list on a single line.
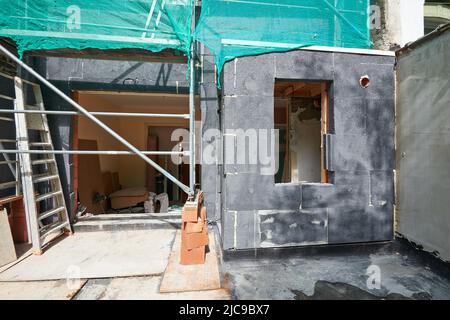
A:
[(357, 204), (396, 22), (423, 151)]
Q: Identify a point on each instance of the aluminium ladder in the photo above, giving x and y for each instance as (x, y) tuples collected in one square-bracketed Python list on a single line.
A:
[(38, 173)]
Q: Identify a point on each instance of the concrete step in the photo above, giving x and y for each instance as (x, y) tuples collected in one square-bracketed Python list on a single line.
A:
[(121, 222)]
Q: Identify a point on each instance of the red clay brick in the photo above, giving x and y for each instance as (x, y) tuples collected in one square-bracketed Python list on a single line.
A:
[(193, 227), (193, 256), (194, 240), (203, 213), (190, 212)]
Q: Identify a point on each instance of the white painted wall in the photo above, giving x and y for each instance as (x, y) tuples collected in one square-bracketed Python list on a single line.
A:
[(423, 145), (404, 20), (307, 152)]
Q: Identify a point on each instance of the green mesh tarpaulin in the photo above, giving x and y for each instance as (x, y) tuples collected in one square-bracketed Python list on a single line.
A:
[(234, 28), (230, 28), (102, 24)]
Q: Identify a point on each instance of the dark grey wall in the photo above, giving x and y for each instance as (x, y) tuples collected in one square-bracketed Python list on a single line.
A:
[(357, 205), (88, 74), (7, 131), (210, 107)]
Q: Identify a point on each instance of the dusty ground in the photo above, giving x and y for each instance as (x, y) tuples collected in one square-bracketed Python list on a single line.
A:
[(405, 273), (346, 272), (134, 288), (119, 256)]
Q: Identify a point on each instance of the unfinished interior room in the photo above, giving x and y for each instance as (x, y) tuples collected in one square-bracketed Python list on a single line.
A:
[(222, 150), (126, 181)]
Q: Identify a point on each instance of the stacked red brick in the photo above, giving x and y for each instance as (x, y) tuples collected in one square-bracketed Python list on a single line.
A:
[(194, 232)]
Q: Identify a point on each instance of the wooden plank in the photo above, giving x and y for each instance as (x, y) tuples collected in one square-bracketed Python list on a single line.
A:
[(126, 54), (7, 249), (325, 129), (10, 199), (182, 278)]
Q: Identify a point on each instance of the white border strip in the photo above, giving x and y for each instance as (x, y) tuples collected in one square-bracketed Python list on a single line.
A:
[(85, 36), (282, 45)]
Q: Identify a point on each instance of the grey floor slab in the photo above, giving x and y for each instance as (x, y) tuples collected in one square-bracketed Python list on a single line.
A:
[(98, 255), (141, 288), (38, 290), (337, 276)]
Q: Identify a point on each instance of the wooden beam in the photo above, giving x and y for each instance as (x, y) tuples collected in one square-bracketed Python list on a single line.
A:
[(324, 130), (128, 54)]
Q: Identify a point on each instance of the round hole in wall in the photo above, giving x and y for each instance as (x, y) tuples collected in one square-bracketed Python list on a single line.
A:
[(364, 81)]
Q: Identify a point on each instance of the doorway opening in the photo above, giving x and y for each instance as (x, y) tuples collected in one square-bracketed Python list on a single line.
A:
[(301, 116), (109, 183)]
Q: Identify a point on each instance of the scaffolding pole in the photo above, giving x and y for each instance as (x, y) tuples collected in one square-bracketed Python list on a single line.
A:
[(96, 152), (192, 109), (107, 114), (188, 190)]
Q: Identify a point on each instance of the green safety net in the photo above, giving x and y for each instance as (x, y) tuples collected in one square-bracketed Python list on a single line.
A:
[(102, 24), (235, 28), (229, 28)]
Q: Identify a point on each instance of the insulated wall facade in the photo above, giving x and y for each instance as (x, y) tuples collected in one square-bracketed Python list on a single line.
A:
[(423, 139), (357, 203)]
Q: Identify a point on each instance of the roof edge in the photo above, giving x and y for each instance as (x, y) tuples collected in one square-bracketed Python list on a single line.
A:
[(428, 37)]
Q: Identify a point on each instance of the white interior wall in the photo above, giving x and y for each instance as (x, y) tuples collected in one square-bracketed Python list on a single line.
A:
[(132, 169), (308, 151)]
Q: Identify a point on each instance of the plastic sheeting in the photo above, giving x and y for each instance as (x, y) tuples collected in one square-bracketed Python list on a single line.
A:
[(102, 24), (234, 28)]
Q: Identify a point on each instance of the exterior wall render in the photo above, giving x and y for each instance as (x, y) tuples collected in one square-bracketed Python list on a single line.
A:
[(423, 143), (357, 204)]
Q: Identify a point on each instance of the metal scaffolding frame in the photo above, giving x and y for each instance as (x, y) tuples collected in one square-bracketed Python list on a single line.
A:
[(81, 111)]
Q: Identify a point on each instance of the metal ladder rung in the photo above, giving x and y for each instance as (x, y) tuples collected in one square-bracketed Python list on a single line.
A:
[(6, 97), (40, 144), (7, 185), (8, 141), (56, 227), (40, 129), (7, 162), (43, 178), (6, 119), (42, 161), (48, 196), (31, 107), (51, 212)]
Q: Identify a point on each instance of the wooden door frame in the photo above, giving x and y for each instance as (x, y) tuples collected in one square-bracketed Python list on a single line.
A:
[(325, 109)]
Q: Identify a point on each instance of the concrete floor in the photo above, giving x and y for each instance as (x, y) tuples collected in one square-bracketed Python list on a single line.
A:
[(104, 246), (339, 272), (131, 288), (405, 273), (117, 256)]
